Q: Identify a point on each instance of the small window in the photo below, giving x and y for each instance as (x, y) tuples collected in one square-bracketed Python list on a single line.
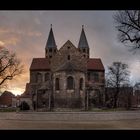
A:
[(50, 56), (88, 76), (68, 47), (55, 51), (84, 50), (39, 77), (84, 55), (57, 87), (47, 76), (81, 83), (96, 77), (68, 57), (50, 50)]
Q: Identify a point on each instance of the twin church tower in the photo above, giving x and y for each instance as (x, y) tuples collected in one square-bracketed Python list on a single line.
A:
[(51, 47)]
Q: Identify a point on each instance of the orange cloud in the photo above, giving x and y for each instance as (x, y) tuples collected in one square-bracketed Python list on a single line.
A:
[(19, 32), (2, 43), (11, 41)]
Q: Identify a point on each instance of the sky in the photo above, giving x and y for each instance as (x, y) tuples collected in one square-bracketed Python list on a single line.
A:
[(26, 33)]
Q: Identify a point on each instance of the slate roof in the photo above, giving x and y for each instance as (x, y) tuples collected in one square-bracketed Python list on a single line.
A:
[(51, 41), (83, 40)]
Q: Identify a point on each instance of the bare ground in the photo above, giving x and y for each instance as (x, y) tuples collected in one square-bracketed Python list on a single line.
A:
[(44, 121)]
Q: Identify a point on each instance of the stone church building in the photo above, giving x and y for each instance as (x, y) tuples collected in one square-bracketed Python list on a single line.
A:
[(66, 77)]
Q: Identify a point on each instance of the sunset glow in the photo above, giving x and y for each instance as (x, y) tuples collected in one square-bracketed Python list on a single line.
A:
[(17, 91)]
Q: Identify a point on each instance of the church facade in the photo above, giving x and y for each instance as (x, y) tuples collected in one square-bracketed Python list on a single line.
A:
[(66, 77)]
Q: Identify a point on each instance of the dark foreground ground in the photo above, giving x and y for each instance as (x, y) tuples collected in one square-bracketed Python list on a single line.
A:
[(70, 120)]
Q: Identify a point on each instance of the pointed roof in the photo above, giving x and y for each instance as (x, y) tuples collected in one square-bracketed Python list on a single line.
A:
[(83, 40), (51, 41)]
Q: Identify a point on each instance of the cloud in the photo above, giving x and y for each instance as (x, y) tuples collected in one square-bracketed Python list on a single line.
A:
[(26, 33), (2, 43), (11, 41)]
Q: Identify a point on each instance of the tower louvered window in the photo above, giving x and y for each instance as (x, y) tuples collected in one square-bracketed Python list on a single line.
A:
[(81, 84), (57, 86)]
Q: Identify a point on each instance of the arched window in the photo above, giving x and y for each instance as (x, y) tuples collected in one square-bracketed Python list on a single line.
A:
[(57, 87), (70, 82), (81, 84), (47, 76), (39, 77), (68, 57)]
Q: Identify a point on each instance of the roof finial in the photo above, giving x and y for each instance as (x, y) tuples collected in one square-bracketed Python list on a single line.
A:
[(51, 25), (82, 26)]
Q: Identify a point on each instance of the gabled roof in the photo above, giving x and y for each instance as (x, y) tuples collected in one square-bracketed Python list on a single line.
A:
[(51, 41), (40, 64), (43, 64), (7, 93), (95, 64), (83, 40)]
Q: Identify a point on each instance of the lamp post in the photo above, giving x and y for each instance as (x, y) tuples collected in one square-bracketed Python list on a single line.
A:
[(51, 93), (36, 100), (87, 99)]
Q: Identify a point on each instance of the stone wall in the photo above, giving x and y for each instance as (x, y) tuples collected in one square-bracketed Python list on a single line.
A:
[(65, 97), (76, 58)]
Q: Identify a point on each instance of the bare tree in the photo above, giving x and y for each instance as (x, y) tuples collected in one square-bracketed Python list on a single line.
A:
[(118, 75), (137, 86), (10, 66), (128, 25)]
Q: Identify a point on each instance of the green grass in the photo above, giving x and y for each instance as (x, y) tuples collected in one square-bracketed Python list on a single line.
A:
[(7, 109)]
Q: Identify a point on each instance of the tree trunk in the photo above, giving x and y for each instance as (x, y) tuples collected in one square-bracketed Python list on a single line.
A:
[(116, 97)]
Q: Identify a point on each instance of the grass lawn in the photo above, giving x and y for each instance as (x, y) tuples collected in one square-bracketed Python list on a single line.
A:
[(8, 109)]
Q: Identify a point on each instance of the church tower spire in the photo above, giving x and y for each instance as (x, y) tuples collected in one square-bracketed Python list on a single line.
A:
[(51, 47), (83, 44)]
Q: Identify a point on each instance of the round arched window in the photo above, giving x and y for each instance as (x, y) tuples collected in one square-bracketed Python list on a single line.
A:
[(70, 82)]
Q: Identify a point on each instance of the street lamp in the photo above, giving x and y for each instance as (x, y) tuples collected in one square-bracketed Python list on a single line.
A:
[(36, 99)]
